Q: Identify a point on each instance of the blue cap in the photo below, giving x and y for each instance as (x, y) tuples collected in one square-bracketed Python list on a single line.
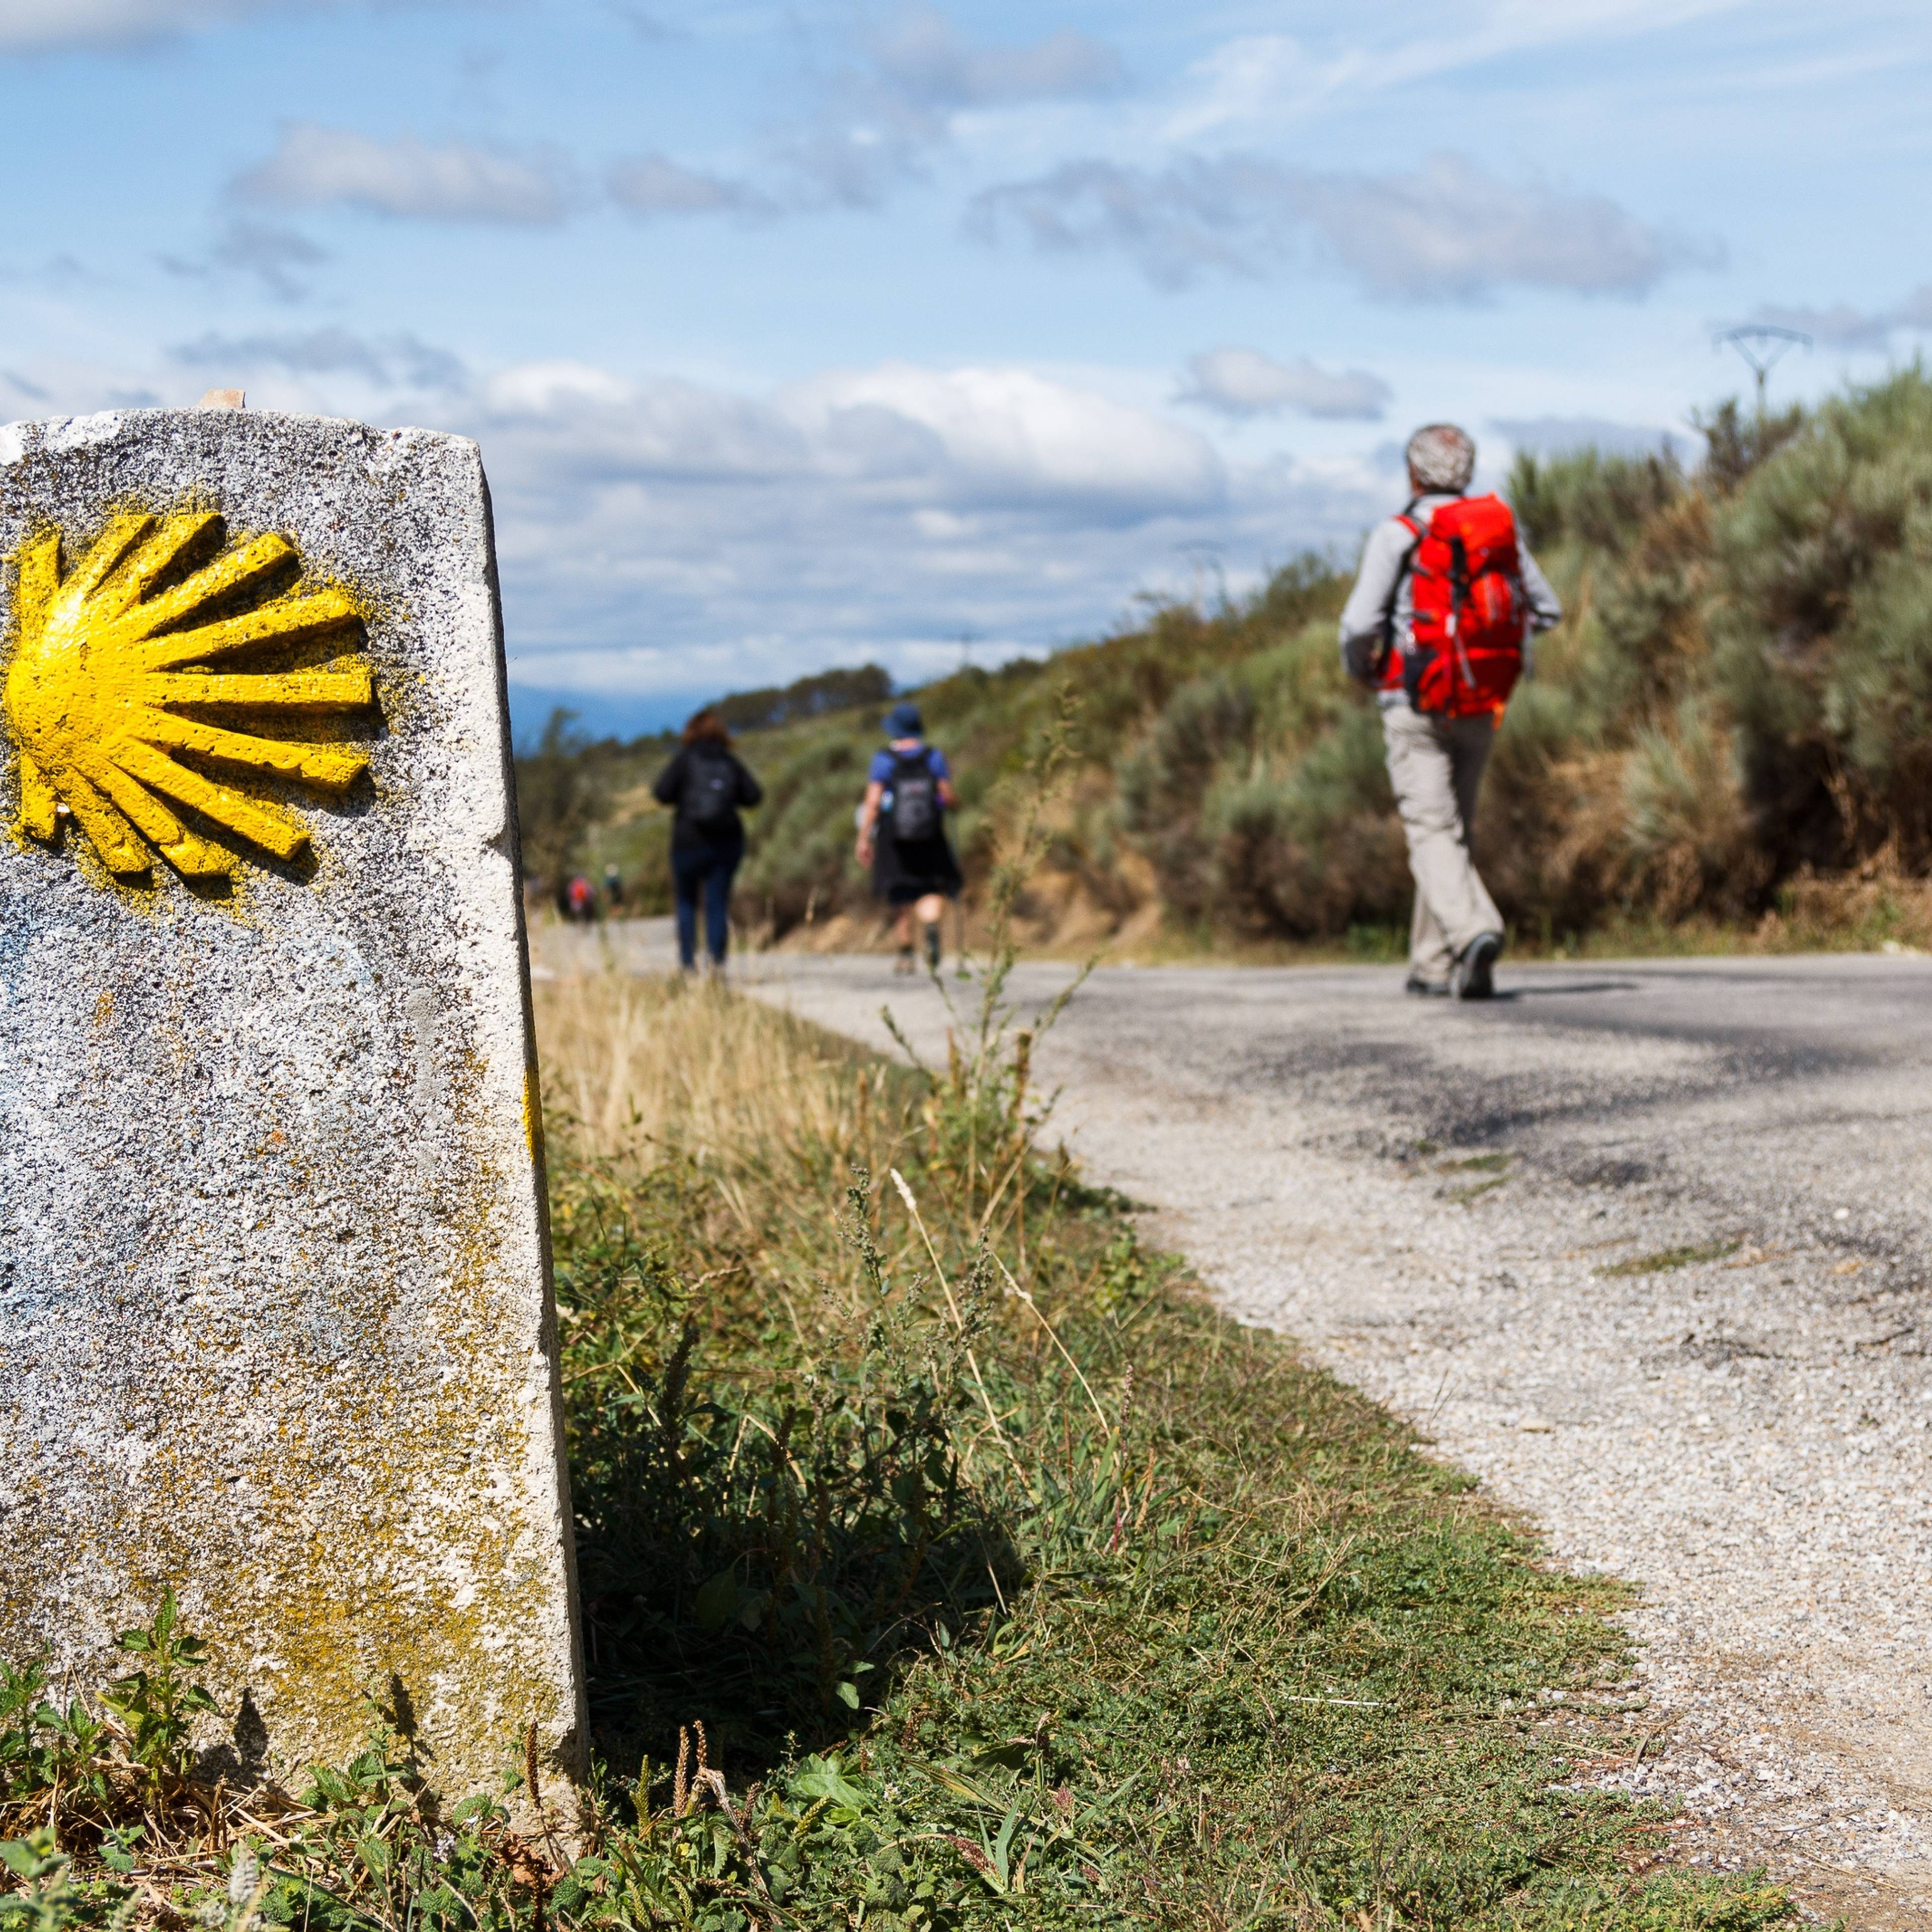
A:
[(903, 721)]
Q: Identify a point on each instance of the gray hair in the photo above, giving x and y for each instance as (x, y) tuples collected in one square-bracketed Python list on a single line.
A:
[(1442, 457)]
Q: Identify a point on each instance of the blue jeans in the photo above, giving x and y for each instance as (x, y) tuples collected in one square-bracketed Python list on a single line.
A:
[(704, 870)]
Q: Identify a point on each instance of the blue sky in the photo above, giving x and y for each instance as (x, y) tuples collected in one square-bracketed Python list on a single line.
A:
[(802, 334)]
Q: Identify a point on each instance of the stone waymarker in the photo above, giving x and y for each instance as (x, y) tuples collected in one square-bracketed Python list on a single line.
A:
[(275, 1319)]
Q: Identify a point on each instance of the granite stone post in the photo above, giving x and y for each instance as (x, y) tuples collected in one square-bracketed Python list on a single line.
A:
[(276, 1324)]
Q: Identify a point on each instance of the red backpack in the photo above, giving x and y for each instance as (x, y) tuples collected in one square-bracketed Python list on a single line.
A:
[(1464, 652)]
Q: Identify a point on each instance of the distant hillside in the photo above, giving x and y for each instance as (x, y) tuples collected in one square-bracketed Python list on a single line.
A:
[(1734, 724)]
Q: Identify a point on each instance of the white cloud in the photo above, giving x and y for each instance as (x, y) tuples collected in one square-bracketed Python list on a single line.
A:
[(279, 258), (314, 166), (37, 25), (663, 534), (1243, 383), (1843, 326), (571, 428), (923, 55), (1253, 80), (1510, 29), (899, 437), (649, 184), (43, 26), (1262, 80), (1006, 437), (879, 122), (1447, 231), (1554, 436), (393, 361)]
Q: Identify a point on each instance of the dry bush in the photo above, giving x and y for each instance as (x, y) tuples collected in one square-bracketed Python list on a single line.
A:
[(1881, 906), (1571, 864), (1688, 830)]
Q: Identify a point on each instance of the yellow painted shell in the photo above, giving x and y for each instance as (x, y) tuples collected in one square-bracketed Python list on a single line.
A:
[(103, 659)]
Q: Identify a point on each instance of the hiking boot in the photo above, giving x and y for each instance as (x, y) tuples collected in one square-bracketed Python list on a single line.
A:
[(932, 947), (1424, 988), (1473, 976)]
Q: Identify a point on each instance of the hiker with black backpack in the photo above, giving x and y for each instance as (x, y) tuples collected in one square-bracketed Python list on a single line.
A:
[(705, 784), (902, 832), (1439, 625)]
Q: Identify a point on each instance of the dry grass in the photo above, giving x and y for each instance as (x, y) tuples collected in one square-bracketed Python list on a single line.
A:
[(629, 1064)]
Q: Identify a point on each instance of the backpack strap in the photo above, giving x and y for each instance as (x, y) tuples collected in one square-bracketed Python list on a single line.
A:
[(1406, 517), (1378, 669)]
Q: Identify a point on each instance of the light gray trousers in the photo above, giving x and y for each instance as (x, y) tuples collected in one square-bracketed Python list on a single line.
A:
[(1436, 765)]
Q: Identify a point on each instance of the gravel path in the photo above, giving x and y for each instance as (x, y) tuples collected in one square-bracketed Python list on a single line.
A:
[(1649, 1248)]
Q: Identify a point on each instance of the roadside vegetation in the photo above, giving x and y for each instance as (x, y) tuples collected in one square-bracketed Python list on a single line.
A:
[(947, 1562), (1729, 737)]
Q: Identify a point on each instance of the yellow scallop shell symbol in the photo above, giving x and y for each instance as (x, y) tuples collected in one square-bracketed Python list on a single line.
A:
[(107, 659)]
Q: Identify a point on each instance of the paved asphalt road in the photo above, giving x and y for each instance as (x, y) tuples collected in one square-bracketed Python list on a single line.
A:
[(1436, 1199)]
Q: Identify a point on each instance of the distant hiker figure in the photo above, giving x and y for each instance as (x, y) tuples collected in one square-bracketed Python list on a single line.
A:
[(1439, 623), (614, 889), (902, 832), (706, 785), (580, 900)]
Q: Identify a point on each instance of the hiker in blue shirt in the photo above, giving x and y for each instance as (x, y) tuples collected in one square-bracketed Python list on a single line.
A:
[(902, 832)]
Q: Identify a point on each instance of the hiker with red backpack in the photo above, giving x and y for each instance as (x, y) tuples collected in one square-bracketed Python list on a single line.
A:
[(902, 832), (1439, 625)]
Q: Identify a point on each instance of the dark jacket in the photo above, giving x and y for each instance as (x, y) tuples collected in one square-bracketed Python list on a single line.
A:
[(676, 784)]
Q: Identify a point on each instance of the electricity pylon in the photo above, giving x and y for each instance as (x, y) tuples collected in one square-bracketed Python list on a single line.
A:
[(1763, 345)]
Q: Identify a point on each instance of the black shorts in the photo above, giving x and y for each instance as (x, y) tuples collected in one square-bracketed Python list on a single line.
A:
[(906, 870)]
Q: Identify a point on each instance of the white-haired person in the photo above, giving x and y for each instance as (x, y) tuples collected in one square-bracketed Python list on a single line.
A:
[(1439, 624)]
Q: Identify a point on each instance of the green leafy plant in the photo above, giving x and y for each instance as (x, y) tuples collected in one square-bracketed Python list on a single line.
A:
[(48, 1898), (157, 1704)]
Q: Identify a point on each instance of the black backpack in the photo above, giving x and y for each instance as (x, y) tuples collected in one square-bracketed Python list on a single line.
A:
[(710, 795), (915, 796)]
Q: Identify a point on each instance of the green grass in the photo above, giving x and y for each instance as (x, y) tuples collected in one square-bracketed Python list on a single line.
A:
[(1462, 1196), (1667, 1259)]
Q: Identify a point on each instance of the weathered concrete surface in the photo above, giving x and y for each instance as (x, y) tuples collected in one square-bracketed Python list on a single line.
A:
[(275, 1319)]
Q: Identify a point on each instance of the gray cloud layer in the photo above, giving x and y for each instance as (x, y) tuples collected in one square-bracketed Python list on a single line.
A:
[(1554, 436), (924, 57), (40, 26), (879, 122), (645, 185), (1844, 327), (1447, 231), (663, 534), (876, 124), (315, 166), (392, 362), (1242, 384), (47, 26), (279, 258)]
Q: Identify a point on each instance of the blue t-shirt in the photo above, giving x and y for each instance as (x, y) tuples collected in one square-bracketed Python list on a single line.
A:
[(885, 762)]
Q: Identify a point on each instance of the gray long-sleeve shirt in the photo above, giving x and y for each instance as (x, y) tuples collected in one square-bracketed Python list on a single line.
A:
[(1384, 596)]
